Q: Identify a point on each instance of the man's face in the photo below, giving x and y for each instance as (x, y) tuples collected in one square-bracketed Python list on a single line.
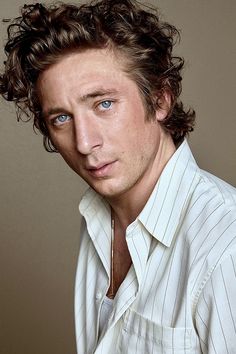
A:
[(97, 121)]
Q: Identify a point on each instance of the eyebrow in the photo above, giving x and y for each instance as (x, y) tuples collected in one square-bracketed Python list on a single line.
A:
[(81, 99)]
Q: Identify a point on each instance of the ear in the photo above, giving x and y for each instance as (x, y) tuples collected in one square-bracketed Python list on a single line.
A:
[(164, 105)]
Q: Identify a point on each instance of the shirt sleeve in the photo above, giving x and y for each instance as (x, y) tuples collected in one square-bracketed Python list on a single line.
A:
[(216, 310)]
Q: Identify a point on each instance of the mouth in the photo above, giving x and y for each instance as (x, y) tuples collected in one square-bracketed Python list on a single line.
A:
[(102, 170)]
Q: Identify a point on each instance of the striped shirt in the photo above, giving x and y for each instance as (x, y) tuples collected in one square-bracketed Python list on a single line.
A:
[(179, 295)]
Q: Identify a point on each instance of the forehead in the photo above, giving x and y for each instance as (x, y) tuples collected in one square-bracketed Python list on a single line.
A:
[(80, 79), (82, 71), (92, 61)]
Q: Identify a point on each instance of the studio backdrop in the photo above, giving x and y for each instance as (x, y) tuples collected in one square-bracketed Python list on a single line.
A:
[(39, 195)]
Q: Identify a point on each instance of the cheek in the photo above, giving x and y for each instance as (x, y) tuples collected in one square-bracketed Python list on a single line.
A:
[(62, 139), (143, 137), (73, 160)]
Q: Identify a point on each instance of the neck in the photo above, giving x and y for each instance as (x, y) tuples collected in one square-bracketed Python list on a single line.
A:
[(126, 207)]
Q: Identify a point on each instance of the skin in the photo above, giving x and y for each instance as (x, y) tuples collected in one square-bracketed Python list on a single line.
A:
[(97, 120)]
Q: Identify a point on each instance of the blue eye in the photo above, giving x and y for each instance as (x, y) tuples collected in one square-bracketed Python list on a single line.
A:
[(63, 118), (106, 104)]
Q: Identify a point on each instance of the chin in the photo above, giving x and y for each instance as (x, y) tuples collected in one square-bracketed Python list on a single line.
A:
[(111, 192), (105, 189)]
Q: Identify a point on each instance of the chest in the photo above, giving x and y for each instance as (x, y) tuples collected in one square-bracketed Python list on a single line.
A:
[(120, 263), (151, 310), (155, 314)]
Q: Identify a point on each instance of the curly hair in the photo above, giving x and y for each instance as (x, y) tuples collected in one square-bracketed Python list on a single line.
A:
[(43, 34)]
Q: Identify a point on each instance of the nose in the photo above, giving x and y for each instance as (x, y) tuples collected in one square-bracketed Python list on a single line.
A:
[(88, 135)]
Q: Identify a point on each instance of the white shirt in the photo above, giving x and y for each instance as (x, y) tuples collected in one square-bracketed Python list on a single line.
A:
[(105, 312), (179, 295)]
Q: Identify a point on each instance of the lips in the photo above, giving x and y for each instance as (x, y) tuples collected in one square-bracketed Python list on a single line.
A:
[(101, 170)]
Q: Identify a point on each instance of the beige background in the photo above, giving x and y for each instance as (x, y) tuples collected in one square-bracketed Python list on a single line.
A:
[(39, 228)]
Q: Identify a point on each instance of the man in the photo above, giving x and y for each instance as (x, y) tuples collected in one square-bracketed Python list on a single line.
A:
[(157, 263)]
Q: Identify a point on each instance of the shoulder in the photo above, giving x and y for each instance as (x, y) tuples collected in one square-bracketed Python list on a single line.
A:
[(213, 200), (225, 192)]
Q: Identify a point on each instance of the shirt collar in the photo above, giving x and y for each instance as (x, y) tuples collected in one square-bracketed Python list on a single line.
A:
[(167, 204)]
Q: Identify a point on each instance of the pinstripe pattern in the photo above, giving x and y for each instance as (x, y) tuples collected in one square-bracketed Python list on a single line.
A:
[(179, 295)]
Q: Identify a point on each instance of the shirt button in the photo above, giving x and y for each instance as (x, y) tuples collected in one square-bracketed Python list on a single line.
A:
[(98, 296)]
